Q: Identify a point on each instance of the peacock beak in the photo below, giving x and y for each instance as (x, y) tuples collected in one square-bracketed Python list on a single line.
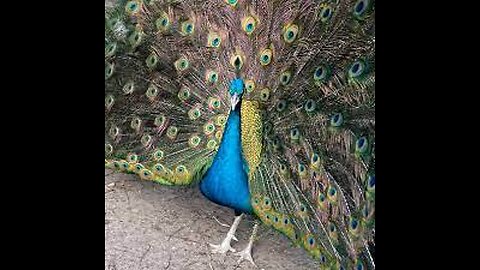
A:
[(234, 100)]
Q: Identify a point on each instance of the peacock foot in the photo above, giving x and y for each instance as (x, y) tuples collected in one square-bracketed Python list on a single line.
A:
[(225, 246), (246, 254)]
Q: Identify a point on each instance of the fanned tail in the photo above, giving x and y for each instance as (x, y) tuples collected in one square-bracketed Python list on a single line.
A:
[(314, 77), (165, 107)]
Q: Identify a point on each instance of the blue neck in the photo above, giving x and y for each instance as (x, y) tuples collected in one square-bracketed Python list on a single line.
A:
[(226, 181)]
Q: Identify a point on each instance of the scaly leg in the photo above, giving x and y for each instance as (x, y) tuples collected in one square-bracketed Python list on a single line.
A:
[(225, 245), (246, 254)]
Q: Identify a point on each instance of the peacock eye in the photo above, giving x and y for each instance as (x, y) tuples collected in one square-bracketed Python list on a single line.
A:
[(146, 173), (236, 61), (267, 127), (110, 49), (172, 132), (181, 64), (311, 241), (266, 57), (139, 167), (336, 120), (184, 94), (326, 14), (353, 223), (265, 94), (135, 38), (162, 23), (214, 102), (285, 78), (132, 7), (116, 164), (181, 169), (194, 141), (359, 266), (113, 132), (132, 158), (321, 197), (135, 123), (108, 148), (159, 120), (232, 2), (214, 40), (209, 128), (301, 168), (250, 85), (310, 105), (281, 105), (159, 167), (158, 155), (248, 25), (151, 60), (275, 142), (221, 120), (146, 140), (275, 219), (212, 77), (365, 211), (286, 221), (371, 182), (194, 113), (267, 201), (290, 33), (219, 135), (323, 259), (321, 73), (187, 28), (332, 228), (332, 191), (128, 88), (361, 145), (211, 144), (109, 100), (294, 134), (356, 69), (362, 8), (108, 70), (152, 92)]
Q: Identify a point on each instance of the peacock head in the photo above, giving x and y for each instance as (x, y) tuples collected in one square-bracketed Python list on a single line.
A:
[(236, 91)]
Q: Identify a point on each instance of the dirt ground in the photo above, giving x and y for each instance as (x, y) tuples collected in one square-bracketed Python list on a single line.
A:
[(148, 226)]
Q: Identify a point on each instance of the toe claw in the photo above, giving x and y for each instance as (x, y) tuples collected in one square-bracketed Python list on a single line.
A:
[(245, 254)]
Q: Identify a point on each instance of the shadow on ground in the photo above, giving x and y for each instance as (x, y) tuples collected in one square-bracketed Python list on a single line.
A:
[(148, 226)]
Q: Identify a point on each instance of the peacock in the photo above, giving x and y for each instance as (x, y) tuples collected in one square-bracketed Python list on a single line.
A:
[(267, 106)]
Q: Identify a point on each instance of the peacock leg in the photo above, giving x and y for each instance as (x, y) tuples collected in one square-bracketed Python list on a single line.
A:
[(246, 254), (225, 245)]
